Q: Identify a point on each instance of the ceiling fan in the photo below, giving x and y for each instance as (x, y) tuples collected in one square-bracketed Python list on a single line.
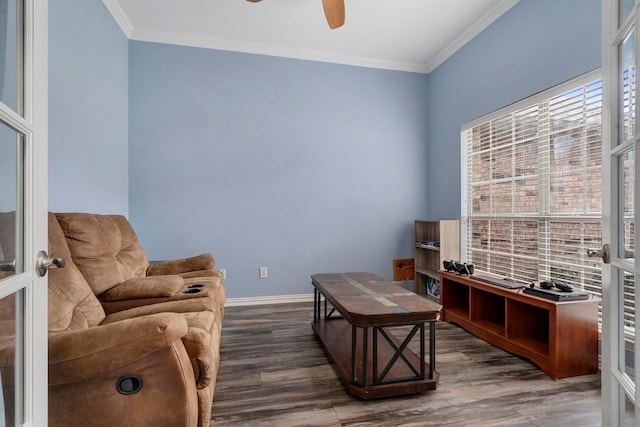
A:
[(333, 10)]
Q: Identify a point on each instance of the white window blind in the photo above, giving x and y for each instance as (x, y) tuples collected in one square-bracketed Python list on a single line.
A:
[(532, 188)]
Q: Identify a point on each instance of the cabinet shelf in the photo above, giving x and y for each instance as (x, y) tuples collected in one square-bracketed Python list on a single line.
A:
[(431, 273), (459, 312), (521, 324), (496, 328), (428, 258), (431, 248), (539, 347)]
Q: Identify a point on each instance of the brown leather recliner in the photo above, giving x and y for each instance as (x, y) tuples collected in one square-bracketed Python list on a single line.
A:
[(153, 364), (107, 251)]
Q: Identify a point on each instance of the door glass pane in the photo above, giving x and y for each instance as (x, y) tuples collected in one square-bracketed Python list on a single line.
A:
[(11, 357), (11, 184), (11, 262), (11, 30), (625, 7), (628, 410), (627, 324), (627, 201), (627, 55)]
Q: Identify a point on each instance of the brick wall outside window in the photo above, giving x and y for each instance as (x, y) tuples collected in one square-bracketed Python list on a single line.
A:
[(534, 189)]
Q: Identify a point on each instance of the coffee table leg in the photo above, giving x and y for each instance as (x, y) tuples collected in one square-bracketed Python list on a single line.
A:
[(354, 343), (432, 348), (374, 368), (365, 339), (422, 351), (316, 306), (354, 376)]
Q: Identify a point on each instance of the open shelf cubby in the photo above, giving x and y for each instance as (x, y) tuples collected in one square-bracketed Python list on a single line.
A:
[(458, 299), (529, 326), (487, 310)]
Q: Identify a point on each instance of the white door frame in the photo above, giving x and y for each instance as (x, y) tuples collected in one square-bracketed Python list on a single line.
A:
[(32, 122), (36, 99), (619, 388)]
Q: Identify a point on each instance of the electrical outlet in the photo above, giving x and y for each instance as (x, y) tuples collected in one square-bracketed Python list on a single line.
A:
[(263, 272), (223, 273)]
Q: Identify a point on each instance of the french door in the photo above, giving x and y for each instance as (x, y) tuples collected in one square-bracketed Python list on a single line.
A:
[(620, 300), (23, 212)]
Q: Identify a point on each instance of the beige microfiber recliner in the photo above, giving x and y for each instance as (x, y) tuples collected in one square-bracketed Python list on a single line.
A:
[(151, 365), (107, 251)]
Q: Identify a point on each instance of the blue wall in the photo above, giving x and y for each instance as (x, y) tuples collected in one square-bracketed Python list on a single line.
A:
[(88, 109), (303, 167), (534, 46)]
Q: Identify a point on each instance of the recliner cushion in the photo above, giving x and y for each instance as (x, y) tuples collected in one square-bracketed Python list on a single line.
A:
[(104, 247), (72, 304)]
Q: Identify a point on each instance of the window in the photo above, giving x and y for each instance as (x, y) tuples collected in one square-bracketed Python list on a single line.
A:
[(532, 187)]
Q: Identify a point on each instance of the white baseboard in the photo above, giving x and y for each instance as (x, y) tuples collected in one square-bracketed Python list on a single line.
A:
[(278, 299)]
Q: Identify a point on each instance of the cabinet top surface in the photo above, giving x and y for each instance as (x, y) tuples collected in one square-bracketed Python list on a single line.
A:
[(515, 294), (365, 299)]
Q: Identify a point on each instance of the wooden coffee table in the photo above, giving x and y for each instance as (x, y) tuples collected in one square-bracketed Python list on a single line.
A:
[(354, 315)]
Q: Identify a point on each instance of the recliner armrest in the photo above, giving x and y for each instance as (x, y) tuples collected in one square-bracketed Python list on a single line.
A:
[(144, 287), (85, 353), (200, 273), (192, 305), (185, 265)]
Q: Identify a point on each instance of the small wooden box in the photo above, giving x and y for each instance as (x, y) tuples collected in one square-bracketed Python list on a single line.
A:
[(403, 269)]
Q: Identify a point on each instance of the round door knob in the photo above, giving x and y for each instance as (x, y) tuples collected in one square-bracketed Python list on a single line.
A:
[(44, 263)]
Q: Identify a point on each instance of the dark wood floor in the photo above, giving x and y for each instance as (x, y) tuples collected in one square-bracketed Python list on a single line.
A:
[(273, 372)]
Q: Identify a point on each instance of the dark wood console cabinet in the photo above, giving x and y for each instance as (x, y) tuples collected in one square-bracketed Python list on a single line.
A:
[(560, 337)]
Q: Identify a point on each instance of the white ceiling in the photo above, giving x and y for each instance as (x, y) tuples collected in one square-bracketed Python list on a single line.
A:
[(407, 35)]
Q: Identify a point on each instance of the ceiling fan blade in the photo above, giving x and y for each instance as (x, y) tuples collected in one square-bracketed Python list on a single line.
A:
[(254, 1), (334, 11)]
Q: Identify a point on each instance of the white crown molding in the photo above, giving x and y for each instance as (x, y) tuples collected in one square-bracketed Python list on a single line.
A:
[(470, 33), (120, 17), (131, 33), (270, 50), (279, 299)]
